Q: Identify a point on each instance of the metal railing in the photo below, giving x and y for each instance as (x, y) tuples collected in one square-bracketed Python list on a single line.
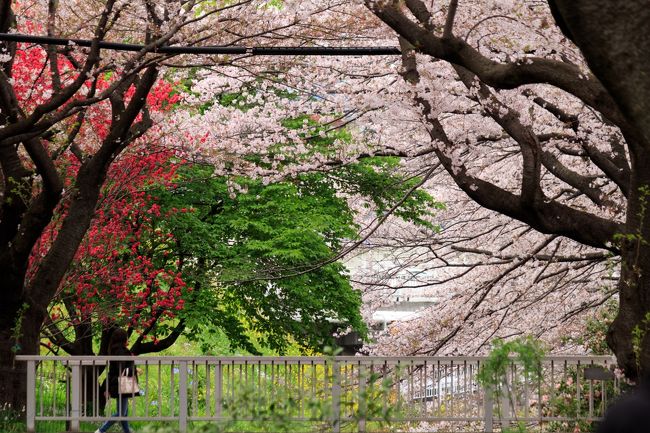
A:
[(351, 393)]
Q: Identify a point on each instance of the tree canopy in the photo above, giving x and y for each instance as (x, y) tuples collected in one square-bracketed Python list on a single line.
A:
[(492, 98)]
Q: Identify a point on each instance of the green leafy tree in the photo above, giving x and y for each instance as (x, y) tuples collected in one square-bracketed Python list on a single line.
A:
[(264, 259)]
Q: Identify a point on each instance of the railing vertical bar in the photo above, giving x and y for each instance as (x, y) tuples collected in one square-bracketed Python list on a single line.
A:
[(423, 387), (578, 390), (267, 389), (442, 376), (272, 388), (208, 406), (159, 389), (240, 384), (195, 389), (145, 388), (31, 396), (172, 393), (255, 380), (464, 393), (66, 408), (133, 400), (372, 381), (473, 370), (313, 388), (95, 389), (565, 372), (488, 408), (362, 398), (591, 399), (182, 397), (64, 385), (346, 409), (301, 389), (436, 387), (226, 379), (603, 400), (453, 388), (231, 381), (539, 393), (467, 392), (526, 397), (260, 386), (287, 375), (218, 389), (41, 396), (75, 402), (67, 389), (552, 387), (411, 384), (336, 397), (398, 379), (83, 391), (384, 384), (246, 386), (38, 382)]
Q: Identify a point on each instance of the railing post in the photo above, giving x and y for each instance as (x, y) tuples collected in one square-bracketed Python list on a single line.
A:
[(363, 407), (336, 397), (218, 390), (75, 396), (505, 403), (488, 410), (31, 396), (182, 398)]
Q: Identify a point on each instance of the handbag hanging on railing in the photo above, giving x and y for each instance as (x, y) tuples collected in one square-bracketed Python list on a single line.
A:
[(128, 384)]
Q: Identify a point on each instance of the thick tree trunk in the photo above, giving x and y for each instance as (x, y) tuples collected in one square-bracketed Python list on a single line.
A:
[(13, 340), (614, 38), (23, 313), (629, 334), (12, 373), (37, 293)]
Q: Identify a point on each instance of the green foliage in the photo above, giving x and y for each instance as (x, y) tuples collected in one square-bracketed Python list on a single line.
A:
[(638, 334), (593, 337), (377, 179), (256, 259), (11, 420), (526, 352), (635, 240), (16, 331), (277, 408), (261, 256), (519, 427), (563, 401)]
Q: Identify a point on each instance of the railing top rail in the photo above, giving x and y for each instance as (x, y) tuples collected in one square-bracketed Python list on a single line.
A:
[(570, 359)]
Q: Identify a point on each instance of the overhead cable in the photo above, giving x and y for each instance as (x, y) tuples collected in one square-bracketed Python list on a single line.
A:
[(208, 50)]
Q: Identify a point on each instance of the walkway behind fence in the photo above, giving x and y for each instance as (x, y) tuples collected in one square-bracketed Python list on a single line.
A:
[(318, 393)]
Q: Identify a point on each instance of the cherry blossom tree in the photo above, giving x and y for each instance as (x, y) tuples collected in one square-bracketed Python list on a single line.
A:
[(540, 285), (535, 132)]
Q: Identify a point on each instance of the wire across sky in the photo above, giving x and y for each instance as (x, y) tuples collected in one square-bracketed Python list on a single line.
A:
[(209, 50)]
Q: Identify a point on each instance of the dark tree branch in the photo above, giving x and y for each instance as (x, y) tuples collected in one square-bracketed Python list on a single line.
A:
[(510, 75), (151, 347), (55, 73), (420, 12), (449, 23), (56, 336), (613, 37)]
